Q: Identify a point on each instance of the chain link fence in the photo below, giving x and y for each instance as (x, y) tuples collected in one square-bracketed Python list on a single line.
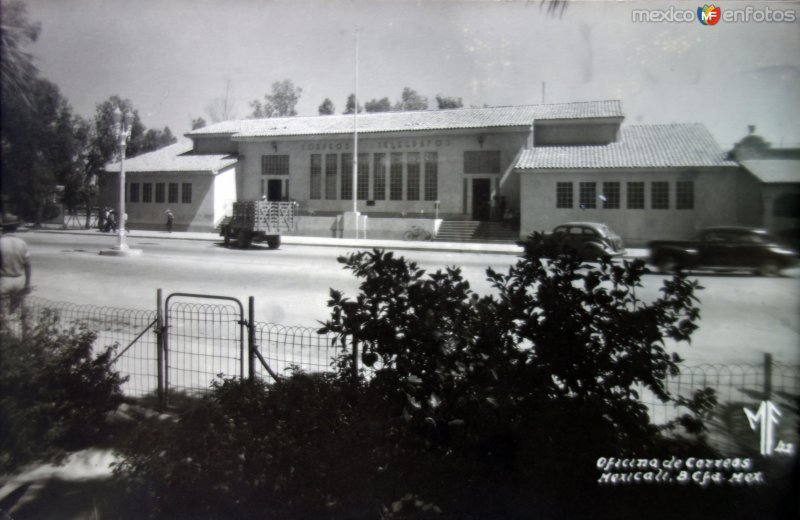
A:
[(203, 341), (129, 329)]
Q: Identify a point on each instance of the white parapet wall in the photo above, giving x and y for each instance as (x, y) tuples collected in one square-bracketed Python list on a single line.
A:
[(376, 228)]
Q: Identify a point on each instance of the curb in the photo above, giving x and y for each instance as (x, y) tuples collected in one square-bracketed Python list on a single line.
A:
[(448, 247)]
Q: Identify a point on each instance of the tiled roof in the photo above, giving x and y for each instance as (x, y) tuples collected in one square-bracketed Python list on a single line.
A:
[(646, 146), (774, 170), (175, 158), (461, 118)]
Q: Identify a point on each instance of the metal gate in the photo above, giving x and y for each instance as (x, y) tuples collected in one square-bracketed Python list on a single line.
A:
[(203, 339)]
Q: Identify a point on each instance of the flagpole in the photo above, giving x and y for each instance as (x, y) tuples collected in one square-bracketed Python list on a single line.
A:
[(355, 137)]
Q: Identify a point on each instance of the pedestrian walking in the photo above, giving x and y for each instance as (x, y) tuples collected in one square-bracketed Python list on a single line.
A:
[(15, 266), (170, 219)]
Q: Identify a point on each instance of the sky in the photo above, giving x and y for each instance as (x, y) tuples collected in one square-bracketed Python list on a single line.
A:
[(171, 58)]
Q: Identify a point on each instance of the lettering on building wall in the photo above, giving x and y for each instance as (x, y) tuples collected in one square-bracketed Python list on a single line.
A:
[(386, 144)]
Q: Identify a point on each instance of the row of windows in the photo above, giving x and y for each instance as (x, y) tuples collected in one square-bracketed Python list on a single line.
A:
[(146, 193), (411, 176), (609, 197)]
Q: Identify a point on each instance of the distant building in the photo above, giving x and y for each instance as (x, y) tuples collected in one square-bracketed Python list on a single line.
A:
[(543, 164), (199, 189), (777, 170)]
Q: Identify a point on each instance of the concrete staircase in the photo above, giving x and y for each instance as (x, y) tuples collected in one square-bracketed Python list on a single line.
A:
[(475, 231), (456, 231)]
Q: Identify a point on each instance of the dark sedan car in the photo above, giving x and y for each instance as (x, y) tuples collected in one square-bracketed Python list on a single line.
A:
[(591, 240), (724, 249)]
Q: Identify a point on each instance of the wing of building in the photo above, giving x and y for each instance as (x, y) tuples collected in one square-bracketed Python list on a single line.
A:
[(528, 167)]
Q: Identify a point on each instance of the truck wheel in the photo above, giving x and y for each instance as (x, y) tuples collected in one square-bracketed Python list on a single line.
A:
[(274, 242), (768, 268), (244, 239)]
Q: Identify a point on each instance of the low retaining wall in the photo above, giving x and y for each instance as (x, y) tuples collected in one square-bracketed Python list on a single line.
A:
[(376, 228)]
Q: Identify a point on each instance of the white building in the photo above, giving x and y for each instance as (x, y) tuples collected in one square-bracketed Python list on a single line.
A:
[(546, 164)]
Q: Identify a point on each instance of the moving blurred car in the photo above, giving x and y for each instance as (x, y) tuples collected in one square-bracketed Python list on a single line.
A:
[(726, 248), (591, 240)]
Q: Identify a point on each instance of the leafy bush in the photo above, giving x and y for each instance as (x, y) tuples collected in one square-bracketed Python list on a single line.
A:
[(524, 389), (298, 449), (54, 390), (461, 406)]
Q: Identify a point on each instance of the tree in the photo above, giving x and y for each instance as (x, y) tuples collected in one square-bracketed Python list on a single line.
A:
[(222, 108), (411, 100), (326, 108), (378, 105), (154, 139), (17, 71), (281, 103), (43, 144), (103, 146), (522, 390), (198, 123), (448, 102), (349, 106)]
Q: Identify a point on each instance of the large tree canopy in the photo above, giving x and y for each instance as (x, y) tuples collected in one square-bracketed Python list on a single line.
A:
[(17, 71), (281, 103)]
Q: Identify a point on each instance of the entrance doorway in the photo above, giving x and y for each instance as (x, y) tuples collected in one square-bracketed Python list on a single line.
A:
[(275, 189), (481, 197)]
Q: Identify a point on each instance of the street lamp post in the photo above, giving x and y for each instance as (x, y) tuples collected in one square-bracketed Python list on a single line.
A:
[(122, 132)]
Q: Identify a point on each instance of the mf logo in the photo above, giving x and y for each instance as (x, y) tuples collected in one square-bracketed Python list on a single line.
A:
[(708, 14), (766, 416)]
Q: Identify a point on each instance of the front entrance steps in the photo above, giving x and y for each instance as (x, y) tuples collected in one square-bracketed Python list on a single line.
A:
[(476, 231)]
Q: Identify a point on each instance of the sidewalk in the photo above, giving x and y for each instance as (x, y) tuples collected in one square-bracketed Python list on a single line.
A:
[(358, 243)]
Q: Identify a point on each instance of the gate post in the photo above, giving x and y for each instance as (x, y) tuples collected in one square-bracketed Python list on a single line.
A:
[(767, 376), (160, 347), (251, 339), (355, 360)]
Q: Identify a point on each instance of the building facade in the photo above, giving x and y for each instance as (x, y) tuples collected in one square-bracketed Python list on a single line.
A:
[(541, 164), (199, 189)]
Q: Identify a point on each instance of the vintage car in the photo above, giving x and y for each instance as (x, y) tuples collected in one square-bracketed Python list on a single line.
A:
[(724, 249), (591, 240)]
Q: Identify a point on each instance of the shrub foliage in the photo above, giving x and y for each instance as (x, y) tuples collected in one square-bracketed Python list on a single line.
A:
[(55, 390), (460, 405)]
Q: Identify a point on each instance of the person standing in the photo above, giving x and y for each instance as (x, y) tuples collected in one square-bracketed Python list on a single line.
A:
[(170, 220), (15, 264)]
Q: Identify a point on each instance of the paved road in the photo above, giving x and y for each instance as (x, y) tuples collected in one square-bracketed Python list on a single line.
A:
[(742, 316)]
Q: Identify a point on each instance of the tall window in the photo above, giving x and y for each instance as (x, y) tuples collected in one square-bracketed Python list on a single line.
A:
[(684, 195), (134, 192), (482, 161), (588, 195), (186, 192), (412, 177), (160, 192), (659, 195), (147, 192), (564, 195), (172, 193), (635, 195), (274, 165), (380, 176), (431, 179), (362, 192), (347, 176), (331, 172), (396, 177), (316, 177), (610, 195)]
